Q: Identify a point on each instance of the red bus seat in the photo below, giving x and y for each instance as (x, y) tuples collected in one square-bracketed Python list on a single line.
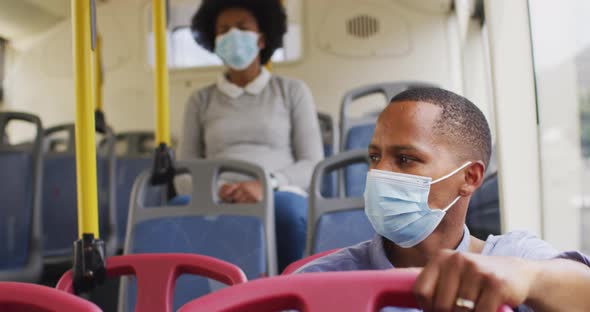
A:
[(156, 275), (300, 263), (16, 297), (313, 292)]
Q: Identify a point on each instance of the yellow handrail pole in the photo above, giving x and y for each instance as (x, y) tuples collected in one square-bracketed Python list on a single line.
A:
[(97, 72), (85, 136), (161, 72)]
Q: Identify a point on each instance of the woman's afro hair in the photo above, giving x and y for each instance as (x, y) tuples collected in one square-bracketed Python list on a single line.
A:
[(270, 15)]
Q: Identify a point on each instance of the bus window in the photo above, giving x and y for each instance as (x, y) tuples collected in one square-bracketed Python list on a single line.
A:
[(561, 49), (184, 52)]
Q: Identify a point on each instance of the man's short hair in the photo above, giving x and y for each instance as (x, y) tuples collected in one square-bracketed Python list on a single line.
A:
[(460, 122)]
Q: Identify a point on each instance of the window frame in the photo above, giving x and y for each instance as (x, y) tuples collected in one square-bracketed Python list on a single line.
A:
[(513, 81), (3, 44)]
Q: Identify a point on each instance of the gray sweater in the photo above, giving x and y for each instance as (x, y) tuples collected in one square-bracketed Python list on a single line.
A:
[(277, 129)]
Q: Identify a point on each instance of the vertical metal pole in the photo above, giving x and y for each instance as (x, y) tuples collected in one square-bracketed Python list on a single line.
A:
[(159, 27), (85, 129), (97, 73)]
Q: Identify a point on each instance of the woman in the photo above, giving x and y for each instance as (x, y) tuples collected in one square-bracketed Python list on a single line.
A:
[(252, 115)]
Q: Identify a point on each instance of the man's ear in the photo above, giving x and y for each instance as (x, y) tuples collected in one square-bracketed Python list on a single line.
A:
[(474, 174)]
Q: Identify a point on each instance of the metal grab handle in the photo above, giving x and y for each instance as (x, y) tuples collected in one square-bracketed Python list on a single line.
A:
[(161, 88), (388, 89), (336, 162), (7, 117), (70, 129)]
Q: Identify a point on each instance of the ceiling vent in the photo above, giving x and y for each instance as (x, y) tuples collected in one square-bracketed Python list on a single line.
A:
[(362, 26), (368, 29)]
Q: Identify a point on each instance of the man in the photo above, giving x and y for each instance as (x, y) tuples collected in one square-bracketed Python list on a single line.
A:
[(427, 157)]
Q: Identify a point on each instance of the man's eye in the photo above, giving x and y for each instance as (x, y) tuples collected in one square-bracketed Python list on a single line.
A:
[(374, 158), (404, 160)]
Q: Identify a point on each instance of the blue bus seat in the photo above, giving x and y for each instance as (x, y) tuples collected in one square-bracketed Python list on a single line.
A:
[(242, 234), (21, 170), (356, 133), (16, 209), (358, 138), (329, 133), (330, 141), (128, 170), (134, 154), (59, 202), (60, 223), (483, 214), (339, 221), (133, 143)]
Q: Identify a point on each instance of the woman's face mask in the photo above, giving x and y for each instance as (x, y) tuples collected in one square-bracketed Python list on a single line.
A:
[(397, 206), (237, 48)]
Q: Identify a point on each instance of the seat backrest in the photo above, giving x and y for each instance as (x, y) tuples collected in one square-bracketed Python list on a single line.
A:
[(242, 234), (329, 134), (157, 274), (340, 221), (483, 214), (128, 170), (21, 173), (135, 143), (356, 133), (331, 142), (357, 291), (60, 198), (134, 152), (388, 89), (31, 297), (332, 291), (352, 180)]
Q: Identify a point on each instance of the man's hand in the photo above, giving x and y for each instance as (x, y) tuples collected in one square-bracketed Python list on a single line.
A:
[(488, 282), (245, 192)]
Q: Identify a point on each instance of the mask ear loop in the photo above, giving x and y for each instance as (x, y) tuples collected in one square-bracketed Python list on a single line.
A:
[(448, 176), (452, 203), (452, 173)]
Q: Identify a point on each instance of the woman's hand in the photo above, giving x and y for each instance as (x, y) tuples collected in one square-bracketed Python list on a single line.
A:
[(451, 281), (245, 192)]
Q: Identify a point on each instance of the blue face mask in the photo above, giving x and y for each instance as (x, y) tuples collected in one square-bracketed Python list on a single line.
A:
[(397, 206), (237, 48)]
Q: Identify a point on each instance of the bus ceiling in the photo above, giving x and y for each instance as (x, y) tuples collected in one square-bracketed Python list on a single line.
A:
[(23, 18)]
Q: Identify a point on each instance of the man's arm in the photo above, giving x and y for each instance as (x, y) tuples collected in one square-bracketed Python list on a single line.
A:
[(488, 282), (560, 285)]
